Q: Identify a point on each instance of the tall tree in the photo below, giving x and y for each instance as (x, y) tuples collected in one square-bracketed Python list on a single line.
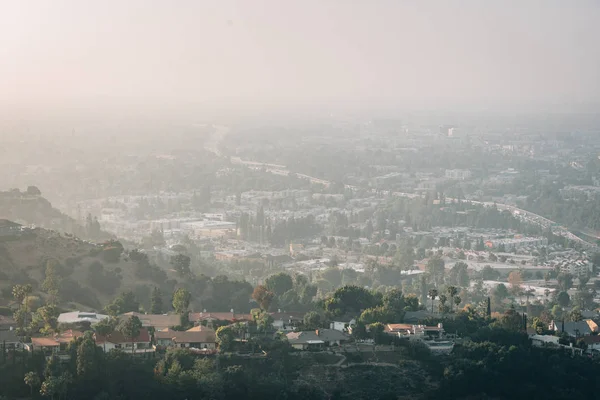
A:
[(263, 296), (104, 328), (130, 328), (433, 293), (516, 280), (156, 304), (52, 282), (181, 300), (279, 283), (181, 264), (435, 267), (32, 379), (452, 292)]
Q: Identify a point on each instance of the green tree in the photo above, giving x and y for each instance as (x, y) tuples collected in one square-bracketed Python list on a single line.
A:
[(538, 325), (433, 293), (263, 296), (279, 283), (563, 299), (565, 281), (181, 300), (376, 314), (32, 379), (377, 332), (48, 317), (435, 267), (105, 328), (130, 328), (575, 315), (511, 320), (457, 301), (50, 387), (312, 320), (349, 301), (87, 363), (20, 293), (181, 264), (156, 302), (262, 319), (442, 305), (225, 337), (452, 292), (52, 282)]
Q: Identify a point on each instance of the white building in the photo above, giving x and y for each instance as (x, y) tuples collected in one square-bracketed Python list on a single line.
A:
[(576, 267), (458, 174), (517, 243), (75, 317)]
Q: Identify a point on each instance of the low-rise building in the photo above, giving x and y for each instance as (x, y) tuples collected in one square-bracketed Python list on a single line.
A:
[(458, 174), (516, 243), (573, 329), (342, 326), (53, 345), (198, 337), (317, 339), (157, 321), (116, 340), (283, 321), (76, 317)]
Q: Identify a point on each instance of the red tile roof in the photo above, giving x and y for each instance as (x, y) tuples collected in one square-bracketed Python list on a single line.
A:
[(44, 342)]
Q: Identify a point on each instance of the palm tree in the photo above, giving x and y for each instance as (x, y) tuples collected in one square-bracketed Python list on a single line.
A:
[(452, 291), (457, 301), (529, 293), (104, 328), (443, 300), (433, 293)]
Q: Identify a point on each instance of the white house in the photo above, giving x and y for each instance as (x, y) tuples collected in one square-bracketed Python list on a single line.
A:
[(80, 316), (283, 321), (198, 337), (116, 340), (316, 339), (341, 325)]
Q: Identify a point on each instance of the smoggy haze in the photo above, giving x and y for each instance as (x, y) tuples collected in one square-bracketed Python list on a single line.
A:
[(259, 54)]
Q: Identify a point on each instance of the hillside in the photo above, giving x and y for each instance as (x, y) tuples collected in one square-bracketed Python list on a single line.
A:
[(31, 208), (90, 274)]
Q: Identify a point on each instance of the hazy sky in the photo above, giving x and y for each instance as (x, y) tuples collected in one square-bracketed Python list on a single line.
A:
[(285, 53)]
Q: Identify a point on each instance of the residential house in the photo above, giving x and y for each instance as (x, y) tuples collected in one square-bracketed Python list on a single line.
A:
[(76, 317), (283, 321), (53, 345), (318, 339), (433, 336), (209, 317), (157, 321), (593, 326), (198, 337), (573, 329), (342, 326), (116, 340), (593, 344), (544, 340)]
